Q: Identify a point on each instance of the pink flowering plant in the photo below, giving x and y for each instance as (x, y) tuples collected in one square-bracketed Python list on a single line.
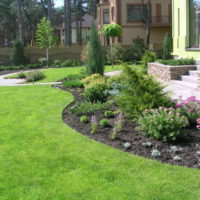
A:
[(164, 124), (198, 123), (190, 108)]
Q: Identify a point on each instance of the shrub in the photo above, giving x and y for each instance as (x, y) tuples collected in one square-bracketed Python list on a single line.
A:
[(96, 93), (73, 84), (115, 54), (91, 78), (109, 114), (167, 48), (84, 119), (17, 54), (112, 30), (95, 61), (57, 63), (189, 108), (34, 76), (137, 50), (149, 56), (104, 123), (21, 75), (87, 107), (187, 61), (163, 124), (43, 61), (139, 91)]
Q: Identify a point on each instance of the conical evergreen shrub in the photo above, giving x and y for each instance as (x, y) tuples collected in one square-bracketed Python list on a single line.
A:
[(95, 60), (17, 56), (167, 50)]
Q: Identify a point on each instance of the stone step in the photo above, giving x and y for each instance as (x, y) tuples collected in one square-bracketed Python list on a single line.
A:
[(190, 79), (184, 85), (198, 67), (194, 72)]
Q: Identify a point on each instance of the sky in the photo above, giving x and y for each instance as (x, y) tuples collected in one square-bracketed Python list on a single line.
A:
[(58, 3)]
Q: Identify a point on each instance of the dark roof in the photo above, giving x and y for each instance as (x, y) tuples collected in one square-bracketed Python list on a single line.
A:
[(86, 21)]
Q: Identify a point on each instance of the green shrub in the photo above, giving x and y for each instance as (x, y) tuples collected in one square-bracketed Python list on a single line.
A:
[(17, 56), (149, 56), (167, 48), (115, 54), (92, 78), (43, 61), (137, 50), (109, 114), (73, 84), (163, 124), (96, 93), (139, 91), (104, 123), (56, 63), (84, 119), (95, 60), (21, 75), (187, 61), (87, 107), (35, 76)]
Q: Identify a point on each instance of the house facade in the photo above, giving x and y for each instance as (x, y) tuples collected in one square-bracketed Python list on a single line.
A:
[(186, 28), (130, 15), (86, 25)]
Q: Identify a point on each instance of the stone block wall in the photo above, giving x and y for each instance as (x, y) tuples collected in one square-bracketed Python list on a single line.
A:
[(168, 72)]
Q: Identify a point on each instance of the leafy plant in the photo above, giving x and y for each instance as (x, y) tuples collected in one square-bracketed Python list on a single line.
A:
[(112, 30), (187, 61), (17, 54), (43, 61), (139, 91), (95, 60), (149, 56), (93, 78), (164, 124), (115, 54), (87, 107), (104, 123), (109, 114), (34, 76), (84, 119), (96, 93), (190, 108), (73, 83), (21, 75), (167, 48), (45, 37)]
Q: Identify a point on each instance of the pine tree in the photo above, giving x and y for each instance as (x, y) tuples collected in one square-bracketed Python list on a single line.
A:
[(95, 61), (167, 50), (17, 54)]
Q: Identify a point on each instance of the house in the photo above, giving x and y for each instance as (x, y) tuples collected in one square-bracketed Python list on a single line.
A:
[(186, 28), (86, 25), (129, 14)]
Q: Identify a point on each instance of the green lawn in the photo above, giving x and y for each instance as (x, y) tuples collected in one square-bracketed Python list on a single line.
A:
[(60, 73), (43, 159)]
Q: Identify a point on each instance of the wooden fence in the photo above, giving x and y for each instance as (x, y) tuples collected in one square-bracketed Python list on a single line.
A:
[(34, 53)]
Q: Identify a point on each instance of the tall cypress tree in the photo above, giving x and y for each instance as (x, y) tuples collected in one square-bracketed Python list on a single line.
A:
[(167, 49), (95, 61)]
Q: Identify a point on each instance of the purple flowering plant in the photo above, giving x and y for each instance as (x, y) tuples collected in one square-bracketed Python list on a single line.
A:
[(190, 108)]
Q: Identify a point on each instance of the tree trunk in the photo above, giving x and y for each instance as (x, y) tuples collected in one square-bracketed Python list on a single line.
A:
[(47, 56), (67, 20), (20, 24), (80, 8), (50, 11)]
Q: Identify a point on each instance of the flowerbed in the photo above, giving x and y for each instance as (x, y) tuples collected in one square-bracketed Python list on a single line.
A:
[(160, 130)]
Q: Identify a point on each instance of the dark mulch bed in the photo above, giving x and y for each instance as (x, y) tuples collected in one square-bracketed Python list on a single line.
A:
[(189, 145)]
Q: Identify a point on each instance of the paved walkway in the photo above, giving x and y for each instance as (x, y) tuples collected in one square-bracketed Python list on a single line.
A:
[(19, 82), (175, 90)]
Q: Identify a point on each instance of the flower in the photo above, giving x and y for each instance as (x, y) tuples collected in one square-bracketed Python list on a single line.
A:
[(192, 98)]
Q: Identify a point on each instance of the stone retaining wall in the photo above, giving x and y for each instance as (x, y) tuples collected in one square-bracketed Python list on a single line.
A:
[(168, 72)]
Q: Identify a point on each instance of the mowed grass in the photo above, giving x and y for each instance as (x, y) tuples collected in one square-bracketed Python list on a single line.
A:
[(53, 75), (43, 159)]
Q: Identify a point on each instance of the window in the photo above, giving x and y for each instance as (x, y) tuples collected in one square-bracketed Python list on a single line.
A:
[(113, 13), (106, 16), (136, 13), (195, 23)]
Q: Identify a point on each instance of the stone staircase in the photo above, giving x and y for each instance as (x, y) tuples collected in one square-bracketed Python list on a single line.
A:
[(189, 81)]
